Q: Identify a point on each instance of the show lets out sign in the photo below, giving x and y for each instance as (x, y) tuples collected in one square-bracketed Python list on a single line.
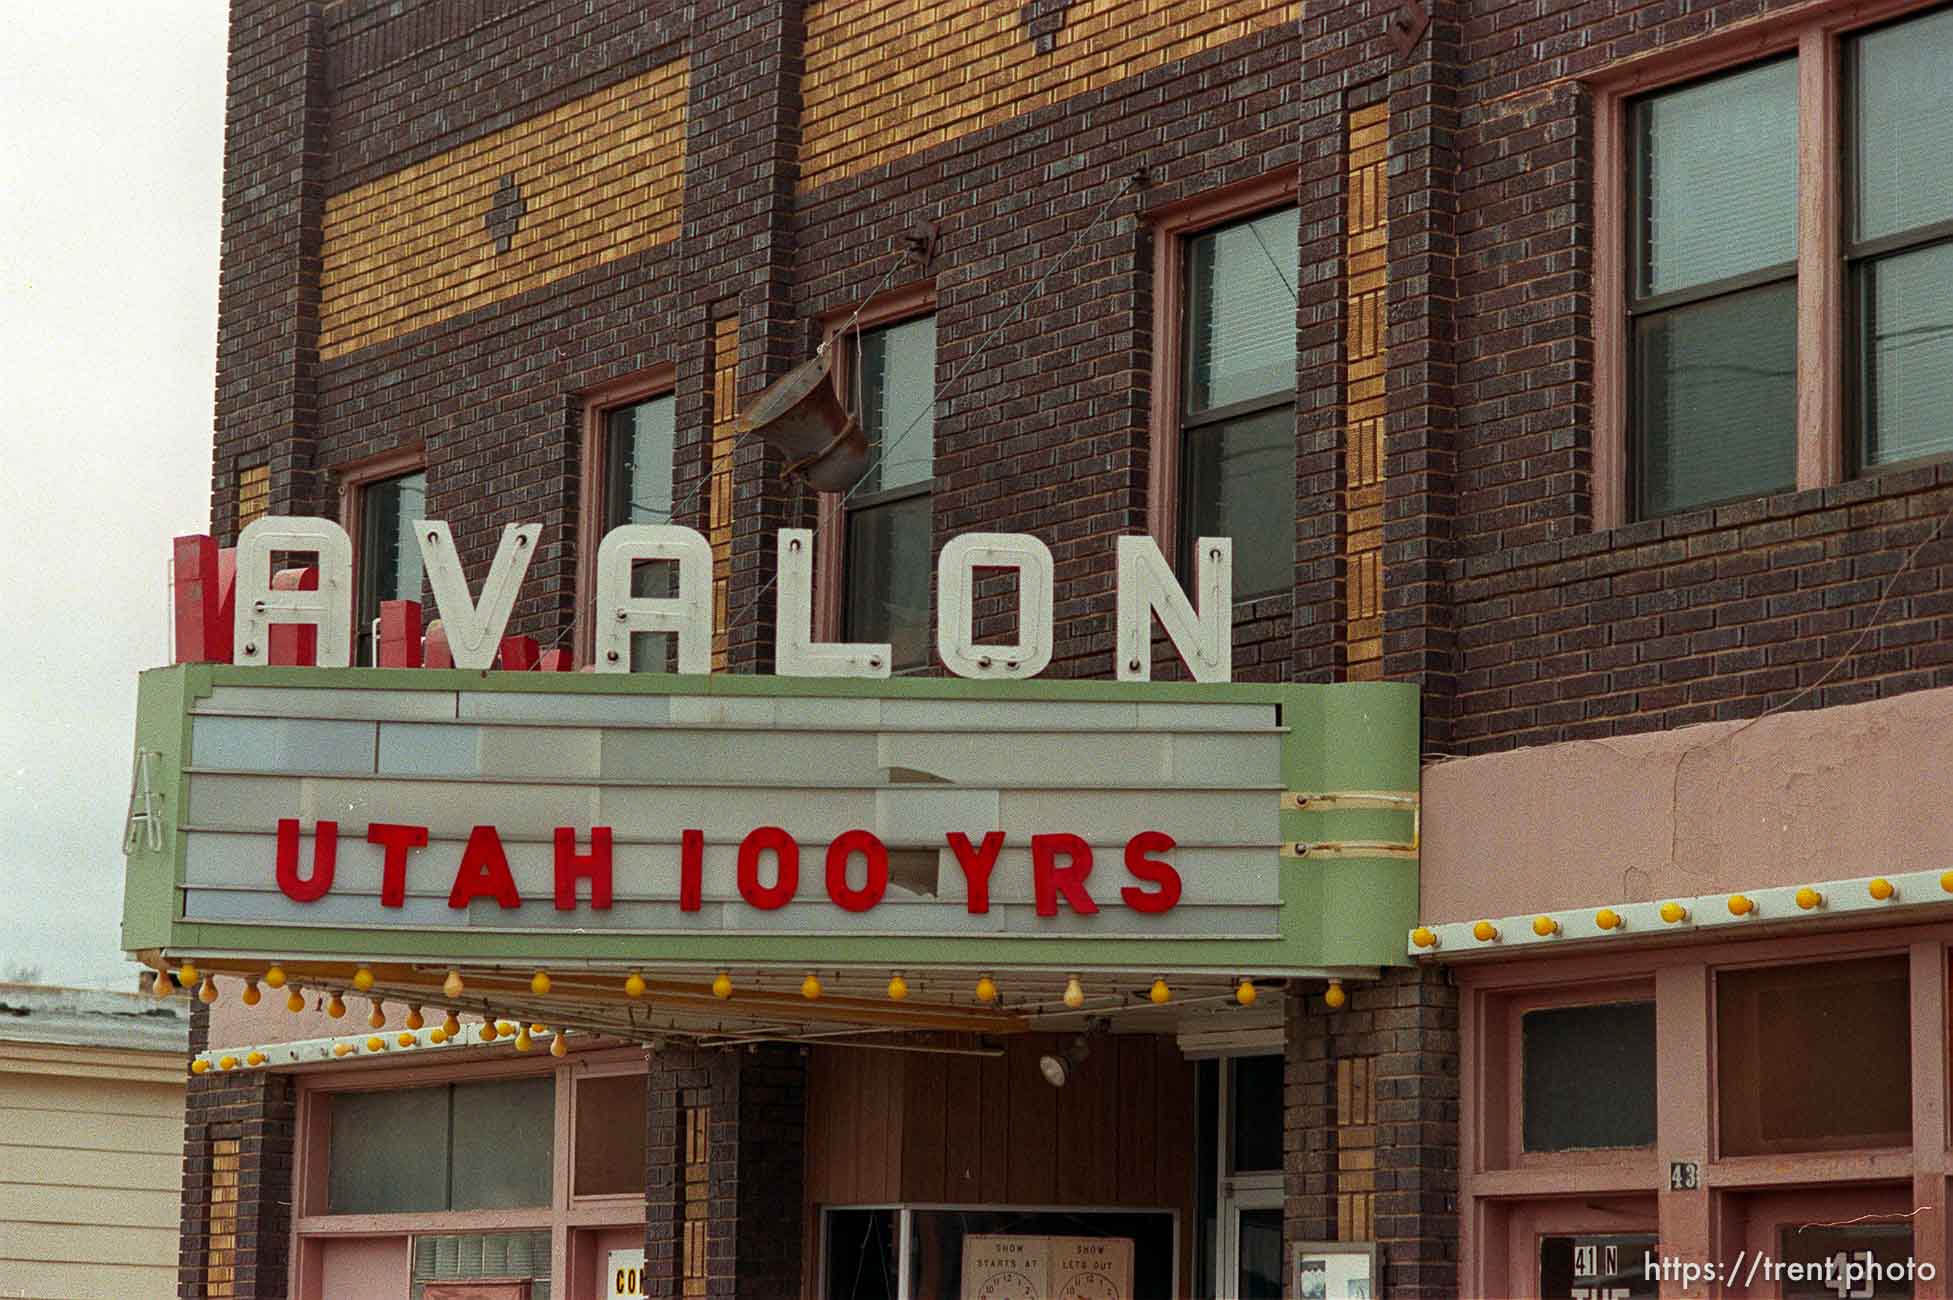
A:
[(468, 816)]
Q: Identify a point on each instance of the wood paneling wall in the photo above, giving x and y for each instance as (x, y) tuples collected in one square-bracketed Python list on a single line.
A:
[(885, 1128)]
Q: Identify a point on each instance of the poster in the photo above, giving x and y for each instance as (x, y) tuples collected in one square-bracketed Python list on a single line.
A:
[(1047, 1268), (626, 1273), (1326, 1272)]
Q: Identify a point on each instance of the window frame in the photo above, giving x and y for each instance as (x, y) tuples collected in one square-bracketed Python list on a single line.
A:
[(1815, 36), (593, 484), (1172, 227), (1506, 1065), (352, 480), (566, 1213), (896, 307)]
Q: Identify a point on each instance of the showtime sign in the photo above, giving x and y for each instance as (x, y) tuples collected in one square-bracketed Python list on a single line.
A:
[(244, 613)]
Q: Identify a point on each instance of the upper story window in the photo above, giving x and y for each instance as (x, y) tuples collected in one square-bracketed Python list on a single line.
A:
[(1900, 240), (888, 554), (1224, 423), (629, 438), (1789, 210), (1714, 301), (390, 566), (411, 1149)]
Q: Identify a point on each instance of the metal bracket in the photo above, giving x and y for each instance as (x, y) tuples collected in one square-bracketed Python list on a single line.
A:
[(147, 823), (1349, 849), (1332, 800), (1406, 27), (1339, 800)]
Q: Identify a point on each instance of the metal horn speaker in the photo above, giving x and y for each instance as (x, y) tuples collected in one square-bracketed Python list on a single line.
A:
[(801, 414)]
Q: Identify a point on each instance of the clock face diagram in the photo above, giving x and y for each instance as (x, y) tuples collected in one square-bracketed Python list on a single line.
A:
[(1089, 1286), (1009, 1285)]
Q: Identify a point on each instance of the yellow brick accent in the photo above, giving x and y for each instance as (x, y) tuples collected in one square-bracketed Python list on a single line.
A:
[(1356, 1149), (220, 1259), (725, 416), (601, 177), (693, 1244), (891, 79), (253, 495), (1366, 362)]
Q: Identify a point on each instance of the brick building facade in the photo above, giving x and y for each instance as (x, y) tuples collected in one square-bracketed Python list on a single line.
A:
[(458, 233)]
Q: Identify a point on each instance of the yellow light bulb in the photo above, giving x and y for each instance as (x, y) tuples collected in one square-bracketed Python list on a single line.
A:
[(251, 994), (898, 988), (1741, 905), (523, 1042), (376, 1044), (986, 990), (1160, 993), (1807, 898), (488, 1031), (1881, 889), (378, 1017), (275, 976), (437, 1035), (163, 987), (1333, 997), (1607, 919), (363, 979), (1074, 994), (1424, 937), (810, 988), (722, 986), (1674, 912), (1946, 881), (254, 1058), (558, 1048), (199, 1066), (539, 983), (504, 1028), (451, 1026), (186, 974), (1485, 932), (1545, 927), (341, 1049), (414, 1018), (1244, 992), (228, 1063), (406, 1039), (294, 1001), (208, 993), (634, 985), (336, 1008), (452, 985)]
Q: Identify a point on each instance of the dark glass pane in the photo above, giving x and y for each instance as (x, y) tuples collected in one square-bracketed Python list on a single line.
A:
[(1623, 1266), (1907, 345), (1589, 1077), (888, 568), (639, 440), (897, 400), (863, 1255), (1814, 1057), (936, 1246), (651, 652), (1717, 163), (1255, 1091), (390, 562), (387, 1152), (1859, 1261), (609, 1135), (1260, 1256), (1238, 481), (1241, 312), (1902, 125), (1715, 388), (504, 1136)]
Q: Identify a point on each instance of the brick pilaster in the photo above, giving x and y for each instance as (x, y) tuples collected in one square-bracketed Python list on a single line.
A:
[(1371, 1123), (725, 1156), (239, 1132)]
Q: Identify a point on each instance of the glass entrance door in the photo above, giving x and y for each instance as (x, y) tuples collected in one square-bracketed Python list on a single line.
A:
[(1252, 1247)]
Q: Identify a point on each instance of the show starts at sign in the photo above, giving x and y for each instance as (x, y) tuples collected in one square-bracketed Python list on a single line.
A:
[(319, 606)]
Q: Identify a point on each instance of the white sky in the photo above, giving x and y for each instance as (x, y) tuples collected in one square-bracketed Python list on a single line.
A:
[(111, 161)]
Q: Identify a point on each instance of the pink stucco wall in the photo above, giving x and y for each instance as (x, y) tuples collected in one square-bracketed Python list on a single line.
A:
[(365, 1268), (1822, 794)]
